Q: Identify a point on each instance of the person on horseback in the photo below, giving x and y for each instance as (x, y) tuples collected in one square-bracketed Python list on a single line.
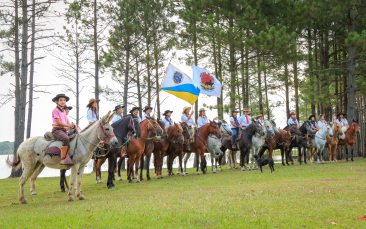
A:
[(245, 119), (260, 119), (119, 110), (314, 127), (187, 118), (93, 114), (321, 121), (202, 119), (147, 111), (135, 111), (67, 110), (167, 120), (293, 120), (60, 126), (235, 125), (344, 124)]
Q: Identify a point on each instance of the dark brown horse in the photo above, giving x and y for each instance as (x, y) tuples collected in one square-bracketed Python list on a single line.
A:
[(149, 147), (135, 148), (199, 145), (280, 141), (350, 139), (298, 139)]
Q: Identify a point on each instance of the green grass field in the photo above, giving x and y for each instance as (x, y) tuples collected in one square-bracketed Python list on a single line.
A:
[(307, 196)]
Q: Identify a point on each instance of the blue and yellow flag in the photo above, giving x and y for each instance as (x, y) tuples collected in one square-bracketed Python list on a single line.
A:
[(179, 84)]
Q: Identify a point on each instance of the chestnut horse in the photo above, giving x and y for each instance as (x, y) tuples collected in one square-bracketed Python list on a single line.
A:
[(298, 140), (199, 145), (280, 141), (135, 147), (350, 139), (332, 142), (149, 147)]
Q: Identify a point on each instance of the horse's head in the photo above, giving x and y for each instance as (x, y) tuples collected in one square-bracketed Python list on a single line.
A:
[(259, 129), (135, 126), (274, 126), (162, 125), (293, 129), (329, 129), (308, 128), (214, 129), (176, 134), (356, 126), (269, 128), (154, 126), (225, 128), (105, 130), (186, 133)]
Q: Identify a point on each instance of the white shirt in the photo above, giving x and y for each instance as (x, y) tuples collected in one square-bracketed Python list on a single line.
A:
[(343, 122), (201, 121), (243, 120), (144, 117), (68, 119), (115, 118), (321, 124), (231, 125), (169, 122), (291, 121), (261, 121), (92, 116), (189, 122)]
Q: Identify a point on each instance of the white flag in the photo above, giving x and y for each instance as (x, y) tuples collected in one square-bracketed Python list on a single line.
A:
[(206, 82)]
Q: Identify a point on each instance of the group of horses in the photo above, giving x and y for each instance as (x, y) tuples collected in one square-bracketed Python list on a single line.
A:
[(127, 138)]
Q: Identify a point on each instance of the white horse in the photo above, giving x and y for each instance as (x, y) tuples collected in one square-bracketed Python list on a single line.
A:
[(320, 139), (31, 153), (213, 145), (258, 142)]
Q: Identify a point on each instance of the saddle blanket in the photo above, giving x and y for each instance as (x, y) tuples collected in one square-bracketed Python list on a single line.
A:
[(344, 130)]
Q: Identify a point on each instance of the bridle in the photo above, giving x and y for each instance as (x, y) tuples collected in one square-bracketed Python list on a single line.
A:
[(105, 136), (174, 141), (214, 129)]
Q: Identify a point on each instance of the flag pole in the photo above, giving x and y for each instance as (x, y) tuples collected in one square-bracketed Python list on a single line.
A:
[(156, 100)]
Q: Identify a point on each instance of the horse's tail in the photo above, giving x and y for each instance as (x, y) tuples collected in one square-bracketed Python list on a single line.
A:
[(15, 164)]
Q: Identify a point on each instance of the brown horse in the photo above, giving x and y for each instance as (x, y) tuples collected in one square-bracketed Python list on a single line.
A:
[(332, 142), (350, 139), (135, 147), (150, 145), (199, 145), (280, 141)]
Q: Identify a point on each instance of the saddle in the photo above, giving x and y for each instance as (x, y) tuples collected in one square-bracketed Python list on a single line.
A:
[(48, 136)]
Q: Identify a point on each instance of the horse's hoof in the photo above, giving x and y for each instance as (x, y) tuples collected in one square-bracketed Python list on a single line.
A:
[(63, 190), (288, 164), (71, 199), (300, 163), (120, 179), (24, 202), (110, 186), (170, 175), (352, 160), (249, 169), (148, 178), (161, 177), (173, 174), (158, 177), (130, 181), (198, 173), (81, 198), (221, 169), (204, 172), (214, 171), (236, 167), (242, 169), (229, 168), (141, 179), (283, 164), (183, 174), (34, 193), (177, 173), (137, 181)]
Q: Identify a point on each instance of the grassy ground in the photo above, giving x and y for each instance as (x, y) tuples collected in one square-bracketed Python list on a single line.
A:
[(307, 196)]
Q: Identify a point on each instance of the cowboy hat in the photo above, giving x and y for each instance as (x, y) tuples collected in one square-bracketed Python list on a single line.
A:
[(202, 109), (66, 107), (311, 116), (260, 115), (60, 96), (147, 108), (319, 117), (185, 108), (167, 111), (118, 106), (292, 113), (134, 108), (91, 101), (246, 110), (340, 113)]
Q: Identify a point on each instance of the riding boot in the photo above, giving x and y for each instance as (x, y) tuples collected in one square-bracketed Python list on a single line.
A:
[(65, 157), (188, 145), (233, 142)]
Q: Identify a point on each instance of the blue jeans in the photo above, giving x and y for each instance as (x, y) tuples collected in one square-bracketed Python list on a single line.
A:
[(235, 132)]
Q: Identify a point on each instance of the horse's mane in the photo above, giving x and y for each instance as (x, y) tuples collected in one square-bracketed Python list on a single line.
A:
[(88, 126), (250, 129)]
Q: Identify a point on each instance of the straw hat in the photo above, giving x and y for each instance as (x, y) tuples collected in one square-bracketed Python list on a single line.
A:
[(202, 109), (260, 115), (246, 110), (292, 113), (91, 101), (185, 108), (319, 117)]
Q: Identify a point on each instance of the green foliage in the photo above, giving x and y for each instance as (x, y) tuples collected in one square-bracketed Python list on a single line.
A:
[(6, 148)]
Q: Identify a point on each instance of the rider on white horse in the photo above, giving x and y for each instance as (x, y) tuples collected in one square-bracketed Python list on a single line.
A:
[(314, 127), (321, 121)]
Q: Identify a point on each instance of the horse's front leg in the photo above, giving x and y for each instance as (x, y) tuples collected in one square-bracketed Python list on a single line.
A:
[(282, 156), (180, 158), (305, 156), (203, 167), (242, 160), (111, 167), (186, 157), (34, 176), (137, 163), (79, 180), (120, 161), (352, 151), (73, 176), (98, 174), (62, 179), (142, 167), (300, 155), (318, 155), (198, 162), (148, 158), (212, 163)]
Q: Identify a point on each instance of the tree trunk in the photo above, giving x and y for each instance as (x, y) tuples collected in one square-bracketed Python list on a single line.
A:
[(17, 138), (157, 79), (243, 76), (266, 91), (221, 109), (296, 82), (259, 85), (30, 105), (232, 65), (138, 82), (96, 57), (125, 90), (148, 65), (195, 63), (287, 90), (218, 100), (311, 75), (24, 72), (77, 74), (345, 88), (351, 67), (246, 99)]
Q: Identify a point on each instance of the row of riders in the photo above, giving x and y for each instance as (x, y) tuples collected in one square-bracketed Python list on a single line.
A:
[(137, 138)]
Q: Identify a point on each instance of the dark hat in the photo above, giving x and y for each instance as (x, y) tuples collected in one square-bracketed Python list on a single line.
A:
[(340, 113), (91, 101), (60, 96), (311, 116), (167, 111), (147, 108), (117, 107), (234, 111), (134, 108), (66, 107)]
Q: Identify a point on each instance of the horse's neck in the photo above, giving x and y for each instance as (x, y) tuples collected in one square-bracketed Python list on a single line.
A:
[(205, 130), (91, 137), (323, 132)]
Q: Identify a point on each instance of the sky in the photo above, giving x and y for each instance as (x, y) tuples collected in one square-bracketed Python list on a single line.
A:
[(46, 74)]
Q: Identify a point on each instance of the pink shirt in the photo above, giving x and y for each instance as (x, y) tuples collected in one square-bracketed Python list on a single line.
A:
[(56, 113)]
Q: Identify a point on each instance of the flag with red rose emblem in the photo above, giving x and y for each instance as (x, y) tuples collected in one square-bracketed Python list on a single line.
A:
[(206, 82)]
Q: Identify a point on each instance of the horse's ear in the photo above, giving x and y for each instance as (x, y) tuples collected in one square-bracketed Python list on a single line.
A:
[(111, 116), (106, 117)]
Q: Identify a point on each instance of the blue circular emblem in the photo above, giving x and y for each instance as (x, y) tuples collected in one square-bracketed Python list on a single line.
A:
[(178, 77)]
